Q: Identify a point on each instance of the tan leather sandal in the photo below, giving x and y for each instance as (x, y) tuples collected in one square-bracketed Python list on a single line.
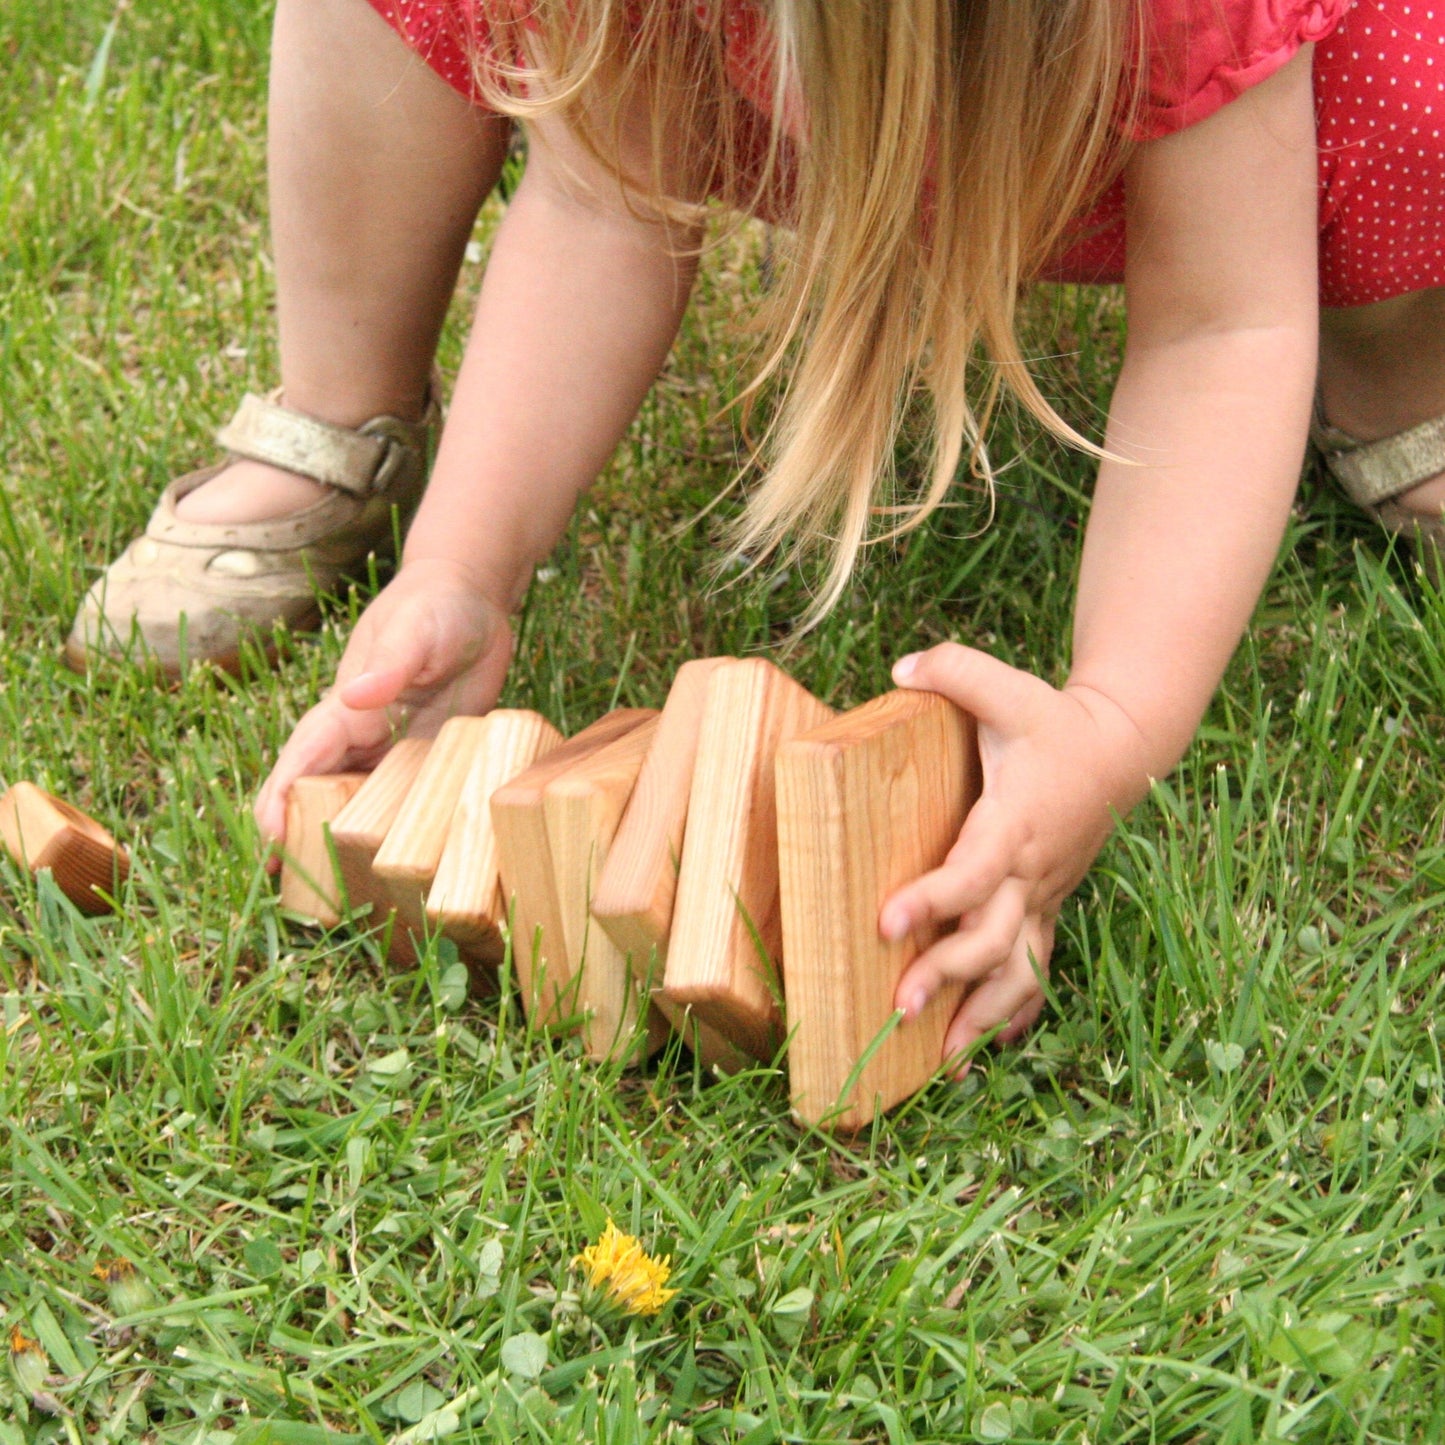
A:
[(1373, 474), (185, 591)]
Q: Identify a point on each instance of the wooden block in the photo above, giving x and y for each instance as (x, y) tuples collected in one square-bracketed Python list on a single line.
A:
[(581, 809), (865, 803), (714, 1050), (524, 853), (726, 941), (635, 892), (634, 895), (409, 855), (42, 831), (360, 828), (465, 900), (309, 882)]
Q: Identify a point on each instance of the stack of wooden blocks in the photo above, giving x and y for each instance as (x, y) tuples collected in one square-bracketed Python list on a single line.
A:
[(715, 868)]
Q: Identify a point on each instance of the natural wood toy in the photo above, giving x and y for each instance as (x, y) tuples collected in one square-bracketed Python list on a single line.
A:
[(582, 808), (360, 829), (745, 831), (409, 855), (465, 901), (638, 884), (309, 885), (865, 803), (41, 831), (726, 939), (634, 897), (419, 839), (553, 825)]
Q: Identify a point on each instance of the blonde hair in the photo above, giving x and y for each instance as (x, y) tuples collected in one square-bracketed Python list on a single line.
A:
[(946, 146)]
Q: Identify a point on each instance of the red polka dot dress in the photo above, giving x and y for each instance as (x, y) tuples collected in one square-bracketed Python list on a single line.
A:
[(1380, 86), (1379, 79)]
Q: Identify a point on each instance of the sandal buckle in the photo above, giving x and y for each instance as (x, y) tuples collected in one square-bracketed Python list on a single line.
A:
[(389, 465)]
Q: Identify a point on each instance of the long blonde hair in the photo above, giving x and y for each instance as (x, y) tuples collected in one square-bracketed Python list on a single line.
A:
[(944, 148)]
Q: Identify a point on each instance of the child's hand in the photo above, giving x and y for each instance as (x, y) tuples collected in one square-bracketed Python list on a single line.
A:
[(1058, 766), (429, 647)]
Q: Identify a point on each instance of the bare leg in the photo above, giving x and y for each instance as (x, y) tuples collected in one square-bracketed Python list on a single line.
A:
[(377, 170), (1382, 370)]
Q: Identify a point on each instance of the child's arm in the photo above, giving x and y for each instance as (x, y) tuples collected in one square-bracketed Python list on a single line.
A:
[(1212, 406), (580, 303)]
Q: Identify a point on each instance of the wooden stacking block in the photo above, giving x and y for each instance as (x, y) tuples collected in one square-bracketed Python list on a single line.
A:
[(465, 901), (41, 831), (525, 841), (411, 852), (635, 892), (582, 808), (726, 939), (865, 803), (634, 895), (309, 883), (360, 828)]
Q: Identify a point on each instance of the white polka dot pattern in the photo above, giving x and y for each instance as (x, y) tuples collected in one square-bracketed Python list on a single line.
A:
[(447, 34), (1380, 100)]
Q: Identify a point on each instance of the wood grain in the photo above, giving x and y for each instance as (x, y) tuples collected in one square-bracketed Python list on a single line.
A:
[(524, 855), (40, 830), (865, 803), (465, 898), (725, 948), (409, 855), (360, 829), (310, 883), (635, 892), (582, 808)]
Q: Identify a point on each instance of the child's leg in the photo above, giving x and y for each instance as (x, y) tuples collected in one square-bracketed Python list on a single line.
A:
[(1382, 371), (377, 170)]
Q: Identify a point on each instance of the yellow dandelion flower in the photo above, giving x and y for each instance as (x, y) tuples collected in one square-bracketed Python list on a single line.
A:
[(29, 1362), (129, 1292), (631, 1276)]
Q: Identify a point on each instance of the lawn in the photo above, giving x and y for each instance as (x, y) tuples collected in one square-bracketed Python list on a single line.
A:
[(260, 1186)]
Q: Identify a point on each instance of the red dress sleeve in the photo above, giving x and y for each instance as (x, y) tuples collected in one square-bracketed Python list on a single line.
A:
[(1201, 54)]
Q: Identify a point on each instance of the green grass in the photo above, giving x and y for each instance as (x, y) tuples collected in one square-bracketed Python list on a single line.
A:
[(1202, 1202)]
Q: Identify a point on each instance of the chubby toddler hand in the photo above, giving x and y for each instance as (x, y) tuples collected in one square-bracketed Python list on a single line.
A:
[(429, 647), (1059, 765)]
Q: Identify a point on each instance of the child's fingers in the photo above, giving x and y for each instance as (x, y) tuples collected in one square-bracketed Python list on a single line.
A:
[(392, 664), (975, 867), (972, 953), (422, 645), (264, 812), (270, 806), (320, 744), (998, 695), (1012, 997), (1023, 1020)]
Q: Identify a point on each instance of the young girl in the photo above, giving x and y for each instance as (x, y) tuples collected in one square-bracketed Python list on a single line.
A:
[(929, 157)]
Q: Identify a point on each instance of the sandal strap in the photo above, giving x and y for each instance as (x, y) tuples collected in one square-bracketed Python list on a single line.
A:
[(1373, 472), (357, 462)]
